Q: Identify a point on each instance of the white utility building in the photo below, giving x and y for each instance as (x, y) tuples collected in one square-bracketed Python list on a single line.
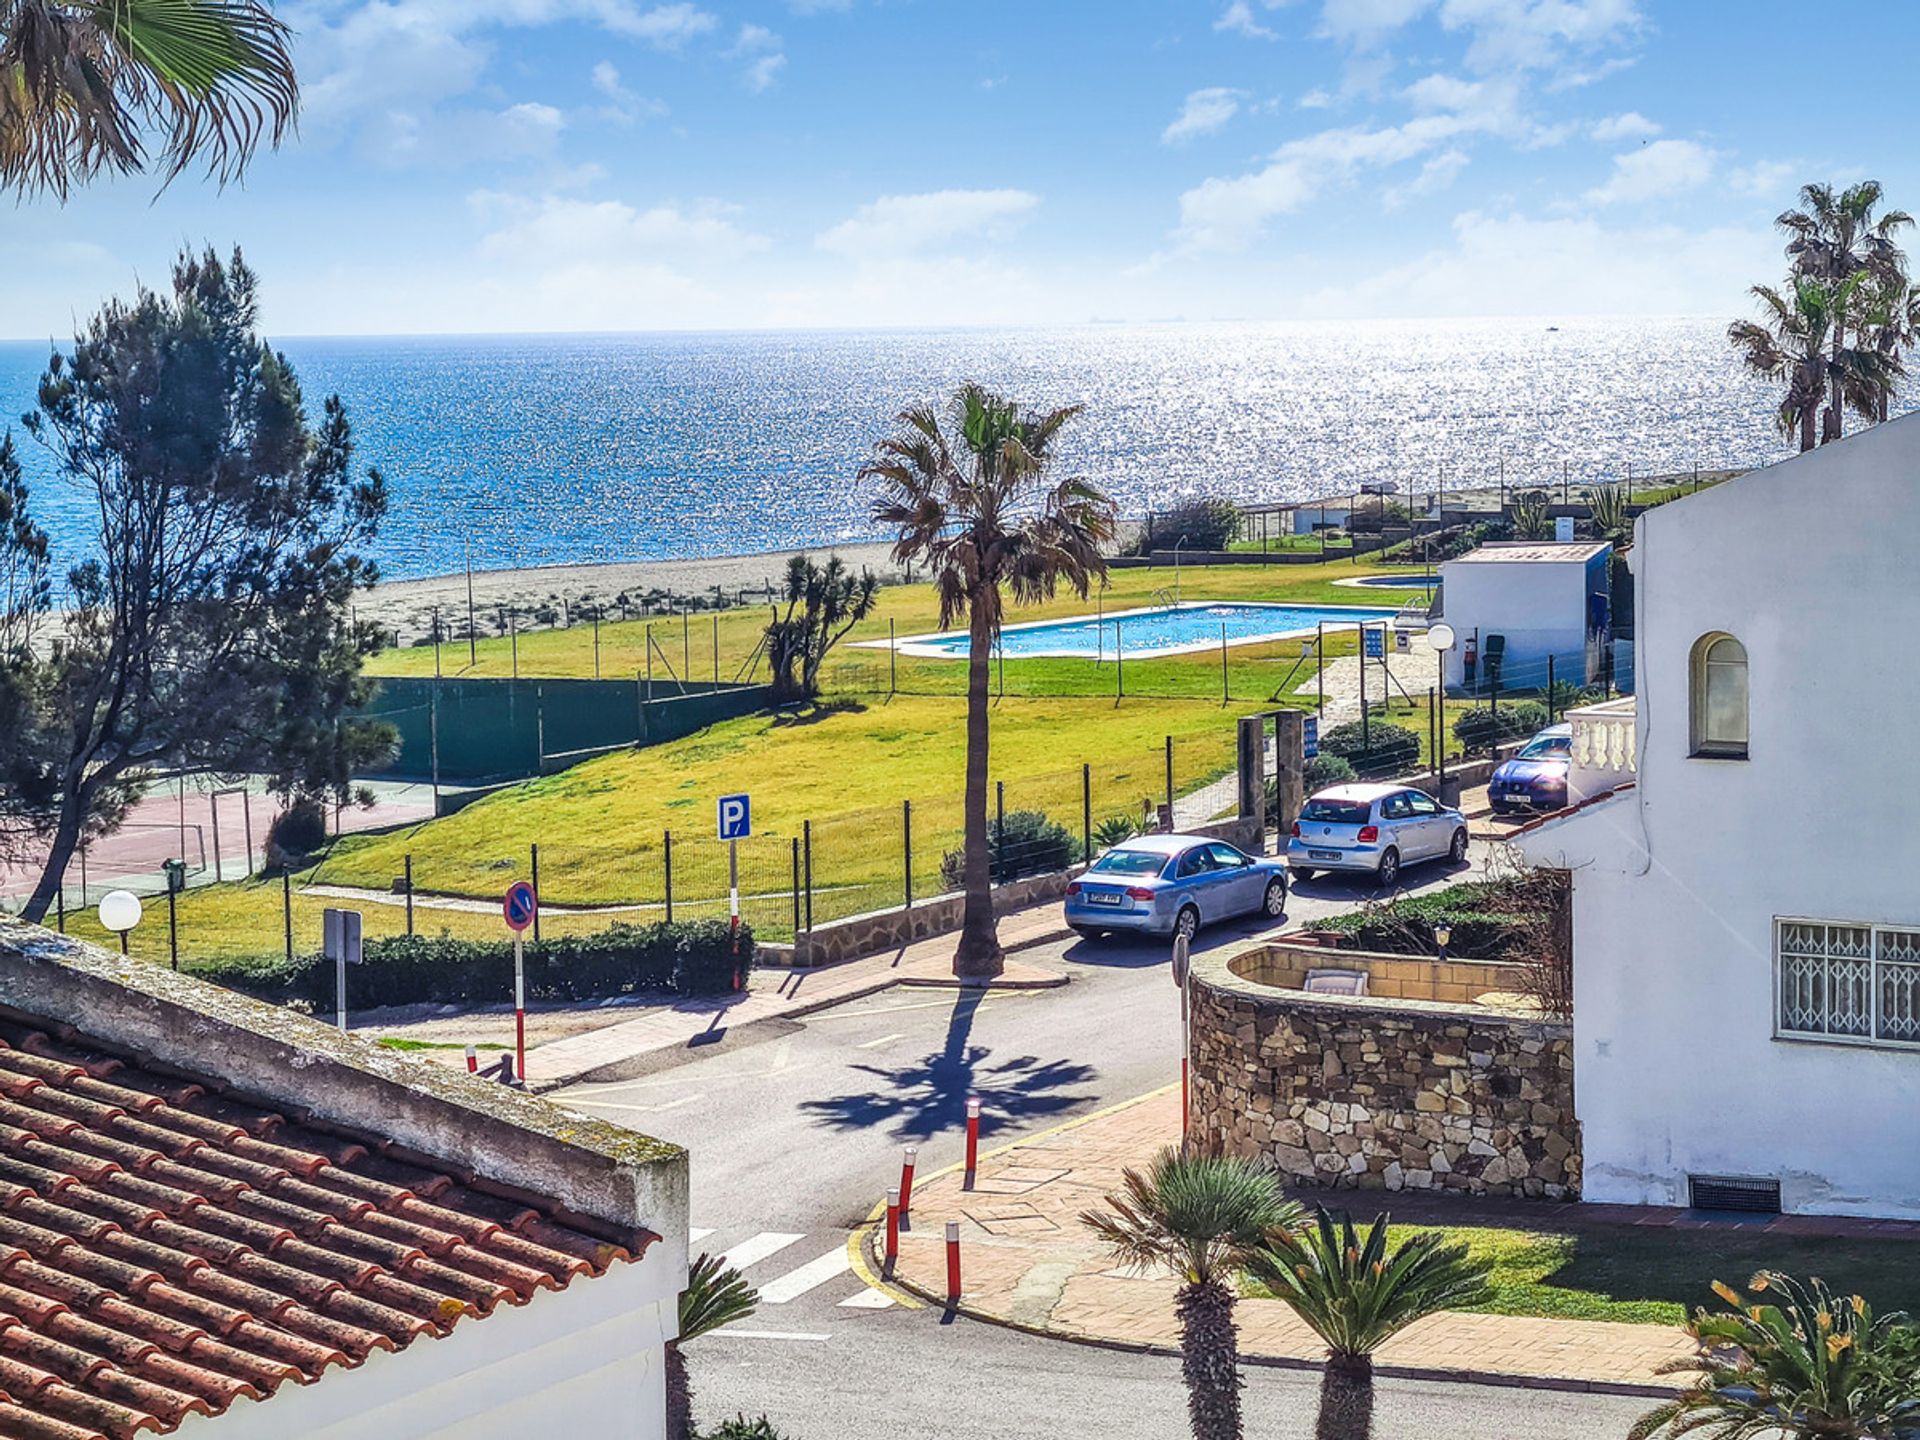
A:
[(1514, 604)]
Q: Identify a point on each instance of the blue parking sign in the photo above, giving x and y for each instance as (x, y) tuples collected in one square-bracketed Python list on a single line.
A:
[(735, 814), (1376, 644), (1310, 746)]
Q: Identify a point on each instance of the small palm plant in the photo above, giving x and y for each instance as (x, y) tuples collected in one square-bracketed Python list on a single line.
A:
[(1610, 516), (1201, 1216), (715, 1296), (1530, 518), (1355, 1296), (1814, 1366)]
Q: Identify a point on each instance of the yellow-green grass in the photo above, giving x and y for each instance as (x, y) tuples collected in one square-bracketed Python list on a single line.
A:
[(1652, 1275), (688, 649)]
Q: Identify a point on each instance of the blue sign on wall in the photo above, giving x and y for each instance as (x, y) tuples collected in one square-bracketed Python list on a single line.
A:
[(1311, 747), (736, 817), (1376, 644)]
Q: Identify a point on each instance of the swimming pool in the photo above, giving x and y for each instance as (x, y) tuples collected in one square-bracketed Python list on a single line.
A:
[(1162, 630), (1392, 582)]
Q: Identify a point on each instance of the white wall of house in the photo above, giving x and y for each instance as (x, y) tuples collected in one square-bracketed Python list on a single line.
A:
[(1309, 518), (1679, 882), (582, 1362), (1539, 605)]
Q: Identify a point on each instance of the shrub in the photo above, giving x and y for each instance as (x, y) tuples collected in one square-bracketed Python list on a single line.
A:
[(741, 1428), (689, 958), (1115, 830), (1206, 523), (1483, 727), (1034, 845), (1374, 750), (298, 830), (1318, 773)]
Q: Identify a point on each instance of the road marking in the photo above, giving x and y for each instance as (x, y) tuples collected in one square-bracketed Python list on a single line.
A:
[(876, 1044), (731, 1333), (795, 1283), (867, 1300), (851, 1013), (696, 1235), (752, 1252)]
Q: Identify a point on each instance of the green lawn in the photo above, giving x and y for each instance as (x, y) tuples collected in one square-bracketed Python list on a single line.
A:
[(1653, 1275)]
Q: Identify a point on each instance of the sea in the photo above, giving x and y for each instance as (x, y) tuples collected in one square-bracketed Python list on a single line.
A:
[(552, 449)]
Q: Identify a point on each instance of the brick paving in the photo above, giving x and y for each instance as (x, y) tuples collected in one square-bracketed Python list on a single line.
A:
[(1027, 1260)]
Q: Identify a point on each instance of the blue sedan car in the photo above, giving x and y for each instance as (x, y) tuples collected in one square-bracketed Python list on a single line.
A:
[(1536, 778), (1173, 884)]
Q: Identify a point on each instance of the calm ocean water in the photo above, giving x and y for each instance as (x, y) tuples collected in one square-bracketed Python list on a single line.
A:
[(579, 448)]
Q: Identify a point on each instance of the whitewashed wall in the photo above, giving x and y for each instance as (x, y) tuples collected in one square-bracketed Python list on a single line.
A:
[(1540, 606)]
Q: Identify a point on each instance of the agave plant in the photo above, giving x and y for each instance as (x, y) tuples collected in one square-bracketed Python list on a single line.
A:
[(1201, 1216), (1354, 1295), (1530, 518), (1802, 1362), (1610, 516), (715, 1296), (1115, 830)]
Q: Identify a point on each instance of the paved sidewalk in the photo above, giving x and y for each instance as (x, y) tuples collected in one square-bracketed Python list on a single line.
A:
[(775, 994), (1026, 1260)]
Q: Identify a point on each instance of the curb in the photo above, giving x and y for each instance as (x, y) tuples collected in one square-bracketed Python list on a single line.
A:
[(864, 1238)]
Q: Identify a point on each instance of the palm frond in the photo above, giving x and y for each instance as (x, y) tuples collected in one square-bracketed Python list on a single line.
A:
[(715, 1296), (1198, 1214)]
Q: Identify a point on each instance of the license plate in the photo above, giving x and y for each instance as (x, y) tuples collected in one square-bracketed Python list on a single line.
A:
[(1094, 897), (1323, 854)]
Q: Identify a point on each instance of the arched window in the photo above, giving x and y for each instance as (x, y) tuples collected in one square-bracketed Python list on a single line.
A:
[(1719, 697)]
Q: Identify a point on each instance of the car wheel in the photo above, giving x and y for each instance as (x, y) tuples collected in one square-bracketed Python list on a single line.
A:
[(1086, 932), (1389, 871), (1457, 852), (1187, 922), (1299, 873), (1276, 901)]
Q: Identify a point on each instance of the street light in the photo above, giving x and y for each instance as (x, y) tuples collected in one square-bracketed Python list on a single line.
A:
[(1440, 638), (1442, 933), (120, 912)]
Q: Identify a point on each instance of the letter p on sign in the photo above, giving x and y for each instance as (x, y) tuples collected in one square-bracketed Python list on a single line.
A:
[(736, 817)]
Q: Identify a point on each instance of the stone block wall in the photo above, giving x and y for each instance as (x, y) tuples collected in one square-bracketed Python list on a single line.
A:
[(1387, 1094)]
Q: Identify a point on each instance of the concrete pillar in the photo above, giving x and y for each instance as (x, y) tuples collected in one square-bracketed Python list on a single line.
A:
[(1289, 764), (1253, 764)]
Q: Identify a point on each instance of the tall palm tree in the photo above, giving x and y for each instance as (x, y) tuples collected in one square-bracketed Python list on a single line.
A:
[(1812, 1365), (1889, 324), (1796, 342), (715, 1296), (83, 83), (1201, 1216), (1835, 236), (971, 501), (1355, 1296)]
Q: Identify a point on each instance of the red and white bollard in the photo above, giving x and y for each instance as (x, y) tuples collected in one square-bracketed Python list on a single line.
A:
[(953, 1262), (973, 1136), (892, 1254), (473, 1061), (907, 1156), (519, 1010)]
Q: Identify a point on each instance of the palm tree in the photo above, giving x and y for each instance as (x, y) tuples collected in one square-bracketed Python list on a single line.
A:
[(1355, 1296), (1815, 1366), (83, 82), (1888, 322), (715, 1296), (972, 503), (823, 604), (1201, 1216), (1797, 343), (1833, 237)]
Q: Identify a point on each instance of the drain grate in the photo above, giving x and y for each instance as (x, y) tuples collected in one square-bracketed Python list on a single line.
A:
[(1747, 1194)]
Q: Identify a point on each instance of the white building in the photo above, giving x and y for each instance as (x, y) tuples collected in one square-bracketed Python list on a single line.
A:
[(1746, 915), (1526, 601)]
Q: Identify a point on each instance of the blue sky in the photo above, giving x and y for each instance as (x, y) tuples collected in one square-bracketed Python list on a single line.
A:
[(550, 165)]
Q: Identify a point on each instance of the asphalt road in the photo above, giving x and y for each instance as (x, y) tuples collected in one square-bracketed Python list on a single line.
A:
[(796, 1131)]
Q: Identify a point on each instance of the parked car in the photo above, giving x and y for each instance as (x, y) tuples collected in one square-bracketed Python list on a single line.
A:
[(1374, 828), (1536, 778), (1173, 884)]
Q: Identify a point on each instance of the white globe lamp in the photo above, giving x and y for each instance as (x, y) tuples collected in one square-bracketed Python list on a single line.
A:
[(120, 912)]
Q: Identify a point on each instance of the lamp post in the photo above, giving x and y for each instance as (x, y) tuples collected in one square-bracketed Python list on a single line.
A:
[(120, 912), (1442, 934), (1440, 638)]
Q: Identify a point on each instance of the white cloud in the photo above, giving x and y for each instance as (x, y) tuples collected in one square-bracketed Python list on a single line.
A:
[(896, 225), (551, 231), (625, 107), (762, 51), (1662, 168), (1239, 18), (1508, 35), (1436, 175), (1629, 126), (1365, 23), (1204, 112), (1763, 179), (1316, 99), (1517, 265)]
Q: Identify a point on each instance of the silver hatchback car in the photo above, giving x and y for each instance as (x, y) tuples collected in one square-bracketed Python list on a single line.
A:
[(1374, 829), (1172, 885)]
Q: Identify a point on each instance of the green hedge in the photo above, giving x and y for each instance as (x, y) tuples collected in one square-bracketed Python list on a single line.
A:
[(1483, 727), (1490, 920), (1375, 750), (692, 958)]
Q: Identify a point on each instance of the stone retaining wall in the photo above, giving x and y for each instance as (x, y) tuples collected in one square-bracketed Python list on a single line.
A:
[(1382, 1093)]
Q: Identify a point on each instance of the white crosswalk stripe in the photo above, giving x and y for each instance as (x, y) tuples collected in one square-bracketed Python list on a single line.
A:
[(868, 1299), (759, 1247), (796, 1283), (696, 1235)]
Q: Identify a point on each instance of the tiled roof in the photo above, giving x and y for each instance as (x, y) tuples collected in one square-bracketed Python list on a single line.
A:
[(167, 1248)]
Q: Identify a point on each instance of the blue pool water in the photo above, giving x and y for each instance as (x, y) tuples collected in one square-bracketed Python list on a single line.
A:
[(1397, 582), (1168, 630)]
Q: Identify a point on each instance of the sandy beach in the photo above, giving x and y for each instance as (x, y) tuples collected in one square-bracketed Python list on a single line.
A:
[(407, 606)]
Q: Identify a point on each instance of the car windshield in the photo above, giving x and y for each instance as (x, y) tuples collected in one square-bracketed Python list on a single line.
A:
[(1130, 862), (1548, 747), (1335, 812)]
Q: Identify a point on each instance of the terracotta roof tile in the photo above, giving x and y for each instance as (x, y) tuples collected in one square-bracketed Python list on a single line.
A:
[(167, 1248)]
